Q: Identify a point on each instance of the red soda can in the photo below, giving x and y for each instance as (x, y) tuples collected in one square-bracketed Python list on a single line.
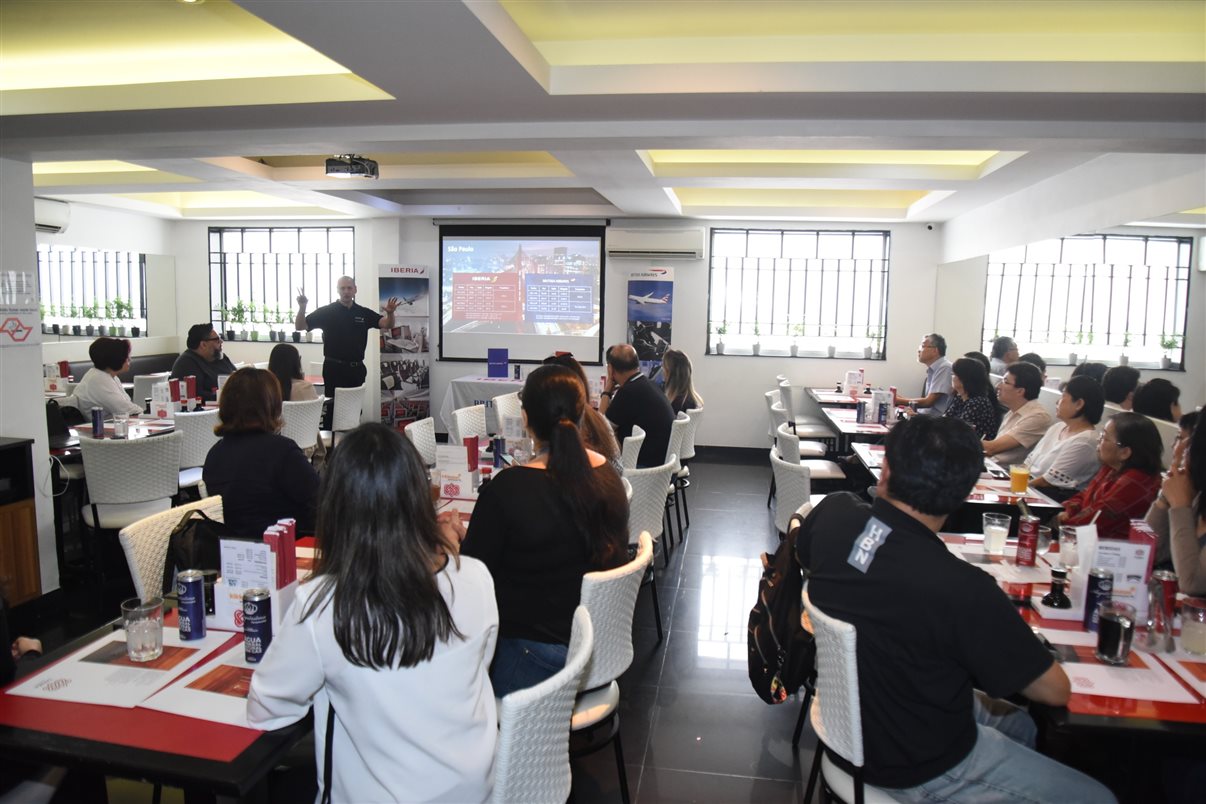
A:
[(64, 369), (190, 383), (1168, 583), (174, 390), (1028, 528)]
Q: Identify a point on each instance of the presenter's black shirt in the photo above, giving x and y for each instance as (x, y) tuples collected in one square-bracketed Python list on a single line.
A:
[(344, 330)]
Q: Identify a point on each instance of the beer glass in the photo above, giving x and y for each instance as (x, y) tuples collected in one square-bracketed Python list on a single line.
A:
[(1069, 558)]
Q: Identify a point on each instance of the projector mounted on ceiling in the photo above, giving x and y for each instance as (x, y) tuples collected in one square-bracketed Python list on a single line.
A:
[(352, 166)]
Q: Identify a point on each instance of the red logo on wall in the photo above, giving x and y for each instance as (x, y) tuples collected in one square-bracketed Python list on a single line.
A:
[(13, 328)]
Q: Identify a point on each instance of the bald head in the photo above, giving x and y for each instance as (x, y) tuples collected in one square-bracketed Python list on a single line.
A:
[(345, 287), (622, 358)]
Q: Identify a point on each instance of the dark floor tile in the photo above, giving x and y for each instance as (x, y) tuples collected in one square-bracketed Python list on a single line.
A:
[(722, 599), (648, 657), (661, 786), (595, 775), (596, 781), (707, 662)]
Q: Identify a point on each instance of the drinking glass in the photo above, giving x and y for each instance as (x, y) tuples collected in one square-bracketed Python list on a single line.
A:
[(1069, 558), (1019, 478), (1115, 630), (996, 529), (143, 620), (1044, 540), (1193, 626)]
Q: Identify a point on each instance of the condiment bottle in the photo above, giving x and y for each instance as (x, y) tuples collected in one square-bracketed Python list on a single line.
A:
[(1058, 598)]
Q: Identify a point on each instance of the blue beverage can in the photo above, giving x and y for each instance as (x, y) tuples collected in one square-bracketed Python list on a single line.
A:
[(98, 422), (190, 591), (1100, 588), (257, 624), (881, 414), (860, 411), (500, 449)]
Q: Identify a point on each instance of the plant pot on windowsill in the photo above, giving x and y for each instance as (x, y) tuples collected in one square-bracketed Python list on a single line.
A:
[(309, 336), (1073, 358), (135, 331), (76, 329), (719, 347), (102, 330), (255, 334), (795, 350), (230, 335), (1123, 359), (297, 337), (272, 335), (1166, 363), (57, 329), (90, 330), (868, 352), (756, 348), (831, 351)]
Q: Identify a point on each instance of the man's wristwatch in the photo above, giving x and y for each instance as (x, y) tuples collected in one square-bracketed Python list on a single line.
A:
[(605, 393)]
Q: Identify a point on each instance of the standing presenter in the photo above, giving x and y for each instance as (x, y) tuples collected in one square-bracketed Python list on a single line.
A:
[(345, 325)]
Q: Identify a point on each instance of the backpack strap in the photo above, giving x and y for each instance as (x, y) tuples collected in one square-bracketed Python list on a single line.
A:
[(326, 759)]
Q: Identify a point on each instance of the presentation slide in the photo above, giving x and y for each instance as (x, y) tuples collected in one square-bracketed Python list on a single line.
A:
[(533, 290)]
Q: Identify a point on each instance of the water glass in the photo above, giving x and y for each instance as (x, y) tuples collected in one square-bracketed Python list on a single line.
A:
[(1044, 540), (143, 620), (1069, 558), (1115, 631), (1193, 626), (996, 530)]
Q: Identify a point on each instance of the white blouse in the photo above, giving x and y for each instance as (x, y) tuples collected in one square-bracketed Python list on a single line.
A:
[(422, 733), (101, 389), (1067, 461)]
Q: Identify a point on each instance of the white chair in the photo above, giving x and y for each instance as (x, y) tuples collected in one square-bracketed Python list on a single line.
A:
[(507, 405), (682, 478), (468, 422), (531, 762), (631, 450), (674, 447), (836, 711), (422, 434), (610, 597), (198, 431), (787, 444), (807, 426), (261, 365), (301, 421), (647, 514), (315, 368), (143, 384), (793, 482), (349, 409), (145, 543)]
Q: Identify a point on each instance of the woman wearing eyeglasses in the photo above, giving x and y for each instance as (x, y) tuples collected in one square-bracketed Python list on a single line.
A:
[(1065, 460), (1178, 516), (1130, 450)]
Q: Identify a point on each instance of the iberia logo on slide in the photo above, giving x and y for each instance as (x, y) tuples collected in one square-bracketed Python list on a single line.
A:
[(14, 329)]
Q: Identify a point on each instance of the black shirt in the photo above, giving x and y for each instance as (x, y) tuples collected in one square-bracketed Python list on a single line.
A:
[(639, 402), (344, 330), (262, 477), (206, 372), (930, 628)]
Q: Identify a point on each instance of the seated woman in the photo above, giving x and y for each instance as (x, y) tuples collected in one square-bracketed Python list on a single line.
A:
[(99, 387), (1130, 451), (540, 527), (597, 432), (1159, 399), (285, 363), (1065, 459), (679, 388), (974, 402), (1178, 516), (390, 636), (262, 475)]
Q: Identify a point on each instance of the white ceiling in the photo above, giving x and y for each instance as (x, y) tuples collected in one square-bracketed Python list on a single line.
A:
[(464, 79)]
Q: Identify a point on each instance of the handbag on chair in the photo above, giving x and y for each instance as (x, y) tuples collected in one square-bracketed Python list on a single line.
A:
[(194, 544)]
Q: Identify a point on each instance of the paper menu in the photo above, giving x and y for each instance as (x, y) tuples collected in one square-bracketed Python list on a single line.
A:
[(1191, 668), (454, 478), (246, 565), (100, 673), (216, 691), (1142, 678), (1002, 567)]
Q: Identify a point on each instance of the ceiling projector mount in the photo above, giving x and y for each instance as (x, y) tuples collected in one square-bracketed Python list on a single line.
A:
[(352, 166)]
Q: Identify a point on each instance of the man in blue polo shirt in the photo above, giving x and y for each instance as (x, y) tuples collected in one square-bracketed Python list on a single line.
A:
[(939, 643)]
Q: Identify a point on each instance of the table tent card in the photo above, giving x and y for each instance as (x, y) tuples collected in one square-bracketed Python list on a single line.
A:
[(216, 690), (496, 362), (247, 565), (455, 479)]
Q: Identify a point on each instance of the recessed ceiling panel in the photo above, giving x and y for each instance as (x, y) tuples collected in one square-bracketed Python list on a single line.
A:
[(852, 199), (100, 172)]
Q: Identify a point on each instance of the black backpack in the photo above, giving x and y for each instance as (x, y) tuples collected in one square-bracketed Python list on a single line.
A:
[(782, 655), (193, 544)]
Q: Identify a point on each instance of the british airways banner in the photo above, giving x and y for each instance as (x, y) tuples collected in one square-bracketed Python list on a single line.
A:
[(650, 316)]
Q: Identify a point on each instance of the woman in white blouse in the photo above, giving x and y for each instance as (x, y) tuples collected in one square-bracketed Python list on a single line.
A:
[(100, 387), (1065, 460)]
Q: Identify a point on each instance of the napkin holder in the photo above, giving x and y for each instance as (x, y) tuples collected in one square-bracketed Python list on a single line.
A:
[(1078, 579)]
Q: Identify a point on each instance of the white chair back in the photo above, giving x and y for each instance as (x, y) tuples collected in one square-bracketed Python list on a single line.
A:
[(261, 365), (786, 399), (610, 597), (146, 543), (631, 450), (301, 421), (422, 434), (315, 368), (647, 506), (137, 470), (678, 429), (532, 759), (144, 382), (793, 488), (775, 412), (198, 431), (507, 405), (468, 422), (688, 446), (836, 711), (787, 443), (349, 409)]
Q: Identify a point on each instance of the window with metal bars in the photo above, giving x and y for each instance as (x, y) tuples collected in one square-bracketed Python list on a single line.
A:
[(84, 291), (806, 293), (1105, 298), (256, 274)]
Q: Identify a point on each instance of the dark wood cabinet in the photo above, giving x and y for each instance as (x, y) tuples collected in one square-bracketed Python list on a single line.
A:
[(20, 571)]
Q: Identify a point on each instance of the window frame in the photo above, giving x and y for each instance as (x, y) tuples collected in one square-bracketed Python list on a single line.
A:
[(118, 308)]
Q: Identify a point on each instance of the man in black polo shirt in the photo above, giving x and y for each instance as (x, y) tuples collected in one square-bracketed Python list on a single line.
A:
[(345, 327), (202, 359), (933, 631), (632, 398)]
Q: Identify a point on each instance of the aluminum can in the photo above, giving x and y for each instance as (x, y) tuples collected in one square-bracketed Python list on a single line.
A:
[(499, 448), (1100, 588), (860, 411), (190, 385), (1168, 583), (881, 414), (1028, 529), (190, 591), (98, 422), (257, 624)]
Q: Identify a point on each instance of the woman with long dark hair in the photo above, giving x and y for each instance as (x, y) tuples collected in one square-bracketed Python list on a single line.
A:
[(974, 400), (285, 362), (1179, 514), (390, 636), (597, 432), (540, 527), (680, 390)]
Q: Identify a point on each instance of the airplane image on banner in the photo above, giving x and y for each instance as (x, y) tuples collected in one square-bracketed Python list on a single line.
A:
[(409, 301), (648, 299)]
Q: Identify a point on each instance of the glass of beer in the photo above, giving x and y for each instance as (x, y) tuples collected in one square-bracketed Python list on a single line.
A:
[(1115, 631), (1019, 478)]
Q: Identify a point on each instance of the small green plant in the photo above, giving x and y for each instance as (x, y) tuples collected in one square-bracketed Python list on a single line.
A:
[(1169, 342), (797, 330), (72, 311), (1080, 337), (88, 311), (757, 331), (238, 313), (723, 329)]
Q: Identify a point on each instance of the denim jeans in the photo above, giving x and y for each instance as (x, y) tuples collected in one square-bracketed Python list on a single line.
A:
[(522, 663), (1004, 767)]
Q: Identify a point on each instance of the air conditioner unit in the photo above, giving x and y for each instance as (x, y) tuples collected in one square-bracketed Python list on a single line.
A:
[(655, 244), (51, 216)]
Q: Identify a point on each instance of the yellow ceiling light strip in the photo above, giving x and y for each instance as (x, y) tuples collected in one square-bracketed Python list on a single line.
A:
[(215, 200), (806, 157), (91, 166), (849, 199)]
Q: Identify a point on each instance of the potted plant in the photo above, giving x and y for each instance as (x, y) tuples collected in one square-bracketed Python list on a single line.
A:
[(1126, 341), (55, 312), (237, 315), (73, 312), (1169, 343), (42, 318), (88, 313), (797, 332), (757, 347), (253, 330), (720, 333), (875, 338)]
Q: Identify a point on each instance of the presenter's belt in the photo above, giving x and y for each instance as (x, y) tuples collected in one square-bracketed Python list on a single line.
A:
[(353, 363)]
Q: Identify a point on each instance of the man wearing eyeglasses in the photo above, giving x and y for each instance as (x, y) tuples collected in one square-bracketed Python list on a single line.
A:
[(202, 359), (938, 391), (1027, 420)]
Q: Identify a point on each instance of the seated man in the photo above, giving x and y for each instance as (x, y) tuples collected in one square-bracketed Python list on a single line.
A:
[(1027, 420), (631, 398), (1120, 384), (933, 630), (204, 360), (1004, 354), (938, 391)]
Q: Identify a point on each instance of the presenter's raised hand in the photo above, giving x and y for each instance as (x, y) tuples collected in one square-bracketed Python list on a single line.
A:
[(301, 298), (391, 305)]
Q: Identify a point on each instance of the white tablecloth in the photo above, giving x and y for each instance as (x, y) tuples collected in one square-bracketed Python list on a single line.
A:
[(466, 391)]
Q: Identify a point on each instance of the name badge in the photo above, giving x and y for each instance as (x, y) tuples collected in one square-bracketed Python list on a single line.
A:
[(868, 542), (359, 319)]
